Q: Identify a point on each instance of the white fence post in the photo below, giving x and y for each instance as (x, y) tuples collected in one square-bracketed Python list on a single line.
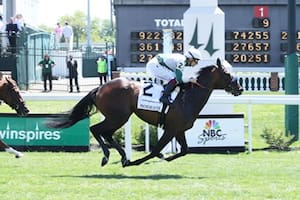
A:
[(128, 145), (147, 138), (250, 128)]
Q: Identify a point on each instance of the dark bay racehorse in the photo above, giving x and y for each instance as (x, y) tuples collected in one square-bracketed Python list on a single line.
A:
[(10, 94), (117, 100)]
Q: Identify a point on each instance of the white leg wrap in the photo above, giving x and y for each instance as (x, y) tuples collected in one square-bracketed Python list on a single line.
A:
[(13, 151)]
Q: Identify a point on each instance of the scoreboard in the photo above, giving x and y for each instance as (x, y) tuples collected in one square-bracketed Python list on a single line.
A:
[(251, 46), (146, 44), (255, 32)]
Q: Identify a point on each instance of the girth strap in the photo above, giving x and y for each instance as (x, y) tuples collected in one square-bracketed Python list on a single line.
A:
[(162, 118)]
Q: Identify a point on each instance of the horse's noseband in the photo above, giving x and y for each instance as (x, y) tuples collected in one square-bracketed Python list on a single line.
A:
[(233, 88), (17, 102)]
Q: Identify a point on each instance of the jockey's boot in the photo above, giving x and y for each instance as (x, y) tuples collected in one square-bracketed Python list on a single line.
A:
[(166, 97)]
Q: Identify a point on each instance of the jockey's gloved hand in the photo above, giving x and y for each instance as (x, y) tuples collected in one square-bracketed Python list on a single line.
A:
[(193, 80)]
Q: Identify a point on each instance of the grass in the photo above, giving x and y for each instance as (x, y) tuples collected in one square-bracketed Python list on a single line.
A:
[(263, 116), (260, 175), (60, 176)]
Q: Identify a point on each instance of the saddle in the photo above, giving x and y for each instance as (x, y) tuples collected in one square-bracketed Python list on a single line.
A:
[(148, 99)]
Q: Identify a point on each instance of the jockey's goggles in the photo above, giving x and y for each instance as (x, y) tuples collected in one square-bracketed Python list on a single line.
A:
[(196, 60)]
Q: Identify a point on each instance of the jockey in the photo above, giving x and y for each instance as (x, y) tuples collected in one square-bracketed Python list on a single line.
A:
[(169, 67)]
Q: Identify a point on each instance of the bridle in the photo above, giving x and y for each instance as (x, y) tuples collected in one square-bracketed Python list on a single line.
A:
[(201, 85), (230, 85), (17, 103)]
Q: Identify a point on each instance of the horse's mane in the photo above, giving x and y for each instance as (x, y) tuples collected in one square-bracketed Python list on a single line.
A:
[(2, 81), (7, 79), (206, 69)]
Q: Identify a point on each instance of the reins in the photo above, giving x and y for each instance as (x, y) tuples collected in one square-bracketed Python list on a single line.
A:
[(199, 85)]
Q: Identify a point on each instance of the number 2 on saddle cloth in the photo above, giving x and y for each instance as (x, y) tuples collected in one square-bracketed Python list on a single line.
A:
[(148, 99)]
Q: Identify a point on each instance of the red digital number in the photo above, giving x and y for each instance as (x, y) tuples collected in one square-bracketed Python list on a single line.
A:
[(261, 11)]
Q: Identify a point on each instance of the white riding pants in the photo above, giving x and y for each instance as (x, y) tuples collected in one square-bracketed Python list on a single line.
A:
[(159, 71)]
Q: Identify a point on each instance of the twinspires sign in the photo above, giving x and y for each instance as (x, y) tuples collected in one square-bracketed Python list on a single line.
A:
[(30, 133)]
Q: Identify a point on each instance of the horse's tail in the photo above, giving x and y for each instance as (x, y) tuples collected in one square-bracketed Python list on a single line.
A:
[(81, 110)]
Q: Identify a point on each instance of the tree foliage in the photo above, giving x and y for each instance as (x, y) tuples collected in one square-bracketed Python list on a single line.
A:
[(277, 139), (101, 30)]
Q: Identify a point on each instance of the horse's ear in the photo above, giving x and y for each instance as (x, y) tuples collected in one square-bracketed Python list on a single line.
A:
[(219, 62)]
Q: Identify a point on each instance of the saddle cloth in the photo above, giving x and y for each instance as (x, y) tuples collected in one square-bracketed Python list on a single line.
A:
[(149, 95)]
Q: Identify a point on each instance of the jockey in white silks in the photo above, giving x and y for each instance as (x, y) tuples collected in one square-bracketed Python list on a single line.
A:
[(169, 67)]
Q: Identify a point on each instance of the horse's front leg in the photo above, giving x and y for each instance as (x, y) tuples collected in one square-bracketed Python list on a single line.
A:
[(96, 132), (11, 150), (180, 137), (162, 142)]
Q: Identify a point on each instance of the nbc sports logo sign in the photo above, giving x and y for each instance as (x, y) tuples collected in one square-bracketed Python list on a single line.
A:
[(216, 131)]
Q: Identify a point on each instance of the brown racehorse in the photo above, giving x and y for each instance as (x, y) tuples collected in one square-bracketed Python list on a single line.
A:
[(10, 94), (117, 100)]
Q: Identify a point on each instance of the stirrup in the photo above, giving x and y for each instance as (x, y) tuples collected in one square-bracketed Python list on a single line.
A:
[(165, 100)]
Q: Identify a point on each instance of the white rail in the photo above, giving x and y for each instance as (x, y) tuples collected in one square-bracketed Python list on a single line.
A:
[(255, 99), (250, 82), (249, 100)]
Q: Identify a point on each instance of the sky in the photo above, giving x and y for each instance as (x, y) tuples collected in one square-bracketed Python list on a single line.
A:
[(51, 10)]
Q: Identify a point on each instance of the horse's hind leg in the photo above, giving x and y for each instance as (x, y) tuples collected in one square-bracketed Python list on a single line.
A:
[(163, 141), (180, 137), (95, 129), (105, 129), (109, 127), (124, 160)]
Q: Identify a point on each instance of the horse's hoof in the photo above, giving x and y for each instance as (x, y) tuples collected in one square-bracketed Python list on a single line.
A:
[(19, 155), (126, 163), (168, 159), (104, 161), (161, 156)]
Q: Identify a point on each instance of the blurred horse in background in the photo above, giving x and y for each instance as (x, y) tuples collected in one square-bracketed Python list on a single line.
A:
[(10, 94)]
